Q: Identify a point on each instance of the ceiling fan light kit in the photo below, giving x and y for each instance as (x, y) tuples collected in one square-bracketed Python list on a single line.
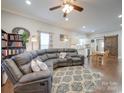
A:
[(68, 6), (66, 19)]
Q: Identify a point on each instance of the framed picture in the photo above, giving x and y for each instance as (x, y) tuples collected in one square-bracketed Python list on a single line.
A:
[(20, 30), (25, 34), (63, 37)]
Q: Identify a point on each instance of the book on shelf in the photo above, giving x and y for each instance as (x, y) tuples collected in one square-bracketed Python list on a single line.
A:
[(17, 51), (14, 52), (20, 37), (10, 52), (3, 43), (4, 52), (11, 37), (4, 36), (16, 44), (16, 38)]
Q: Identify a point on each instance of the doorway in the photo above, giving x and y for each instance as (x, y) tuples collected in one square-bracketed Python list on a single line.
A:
[(100, 45)]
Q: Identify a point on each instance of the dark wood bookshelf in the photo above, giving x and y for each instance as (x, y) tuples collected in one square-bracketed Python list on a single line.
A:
[(16, 47), (11, 44), (4, 39), (16, 40), (4, 47)]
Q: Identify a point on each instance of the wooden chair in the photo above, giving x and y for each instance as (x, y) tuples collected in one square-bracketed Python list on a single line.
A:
[(100, 57), (94, 55), (106, 55)]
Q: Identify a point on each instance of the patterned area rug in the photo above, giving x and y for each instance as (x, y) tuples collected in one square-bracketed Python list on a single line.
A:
[(75, 79)]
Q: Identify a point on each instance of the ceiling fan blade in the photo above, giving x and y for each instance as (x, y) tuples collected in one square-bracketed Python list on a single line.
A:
[(65, 14), (56, 7), (78, 8)]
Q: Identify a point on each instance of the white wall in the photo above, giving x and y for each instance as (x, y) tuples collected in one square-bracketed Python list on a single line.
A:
[(10, 20), (101, 35)]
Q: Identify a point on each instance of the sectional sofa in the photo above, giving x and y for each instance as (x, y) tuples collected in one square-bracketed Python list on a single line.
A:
[(18, 69)]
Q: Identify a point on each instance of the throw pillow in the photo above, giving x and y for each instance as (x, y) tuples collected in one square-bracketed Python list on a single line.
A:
[(34, 66), (62, 55), (42, 65), (74, 54)]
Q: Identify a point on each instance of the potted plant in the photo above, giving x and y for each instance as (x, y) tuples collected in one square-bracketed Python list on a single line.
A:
[(25, 37)]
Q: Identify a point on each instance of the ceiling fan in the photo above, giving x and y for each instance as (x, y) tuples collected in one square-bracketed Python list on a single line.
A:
[(67, 6)]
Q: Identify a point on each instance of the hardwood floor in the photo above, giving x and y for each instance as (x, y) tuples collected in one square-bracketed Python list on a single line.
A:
[(7, 88), (110, 68)]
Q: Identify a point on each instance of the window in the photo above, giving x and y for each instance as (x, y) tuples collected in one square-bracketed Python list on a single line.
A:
[(44, 40), (100, 44), (82, 41)]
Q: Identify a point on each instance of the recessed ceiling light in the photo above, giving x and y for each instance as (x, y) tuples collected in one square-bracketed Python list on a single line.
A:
[(66, 19), (119, 16), (28, 2), (84, 26), (93, 31)]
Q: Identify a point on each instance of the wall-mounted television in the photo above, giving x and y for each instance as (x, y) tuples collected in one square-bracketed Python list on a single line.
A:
[(92, 41)]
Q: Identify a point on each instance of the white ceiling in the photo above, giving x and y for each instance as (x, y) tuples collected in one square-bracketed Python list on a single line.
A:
[(98, 15)]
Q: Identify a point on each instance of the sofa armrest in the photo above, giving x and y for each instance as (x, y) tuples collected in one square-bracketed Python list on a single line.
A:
[(68, 57), (82, 56), (35, 76), (38, 86)]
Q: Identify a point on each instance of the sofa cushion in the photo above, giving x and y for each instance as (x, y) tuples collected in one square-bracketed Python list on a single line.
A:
[(26, 68), (62, 59), (70, 50), (23, 58), (55, 61), (34, 54), (61, 50), (52, 55), (41, 52), (57, 54), (50, 62), (50, 69), (23, 62), (76, 59), (35, 76), (51, 50), (43, 57), (13, 70), (72, 54)]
